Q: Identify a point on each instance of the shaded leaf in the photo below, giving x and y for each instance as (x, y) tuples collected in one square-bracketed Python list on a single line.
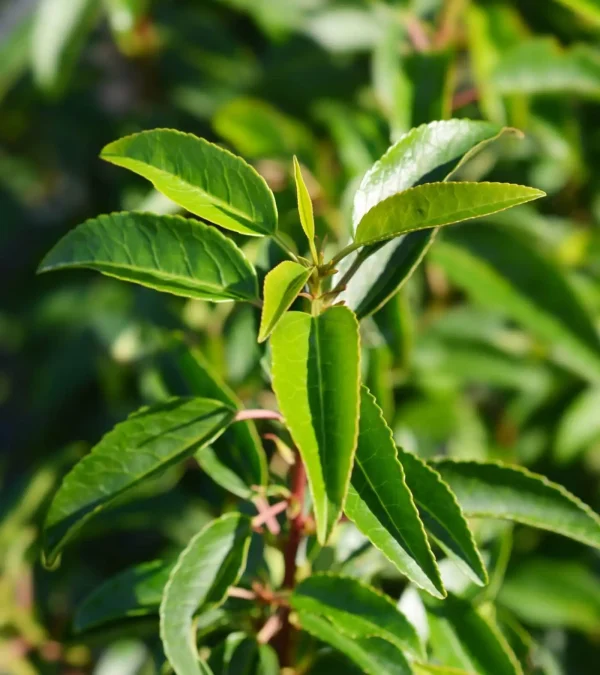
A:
[(168, 253), (442, 515), (490, 490), (588, 10), (149, 441), (282, 285), (438, 204), (136, 591), (381, 505), (579, 426), (373, 654), (201, 177), (316, 380), (355, 609), (212, 562)]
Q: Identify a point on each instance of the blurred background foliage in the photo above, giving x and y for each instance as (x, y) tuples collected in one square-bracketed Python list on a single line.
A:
[(488, 352)]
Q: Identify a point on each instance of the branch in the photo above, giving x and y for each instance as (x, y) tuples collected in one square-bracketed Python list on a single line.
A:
[(258, 414)]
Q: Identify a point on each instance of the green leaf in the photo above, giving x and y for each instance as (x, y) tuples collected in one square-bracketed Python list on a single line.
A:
[(149, 441), (442, 515), (541, 66), (201, 177), (14, 53), (429, 669), (429, 153), (579, 427), (503, 272), (462, 638), (532, 593), (135, 592), (235, 460), (504, 492), (588, 10), (431, 74), (212, 562), (282, 285), (168, 253), (373, 654), (59, 32), (381, 505), (305, 209), (316, 380), (357, 610), (268, 661), (235, 655), (438, 204)]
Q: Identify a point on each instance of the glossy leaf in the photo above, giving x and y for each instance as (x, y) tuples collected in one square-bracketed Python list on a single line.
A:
[(462, 638), (168, 253), (381, 505), (59, 32), (305, 209), (316, 380), (355, 609), (374, 655), (489, 490), (212, 562), (149, 441), (282, 285), (235, 460), (135, 592), (579, 427), (442, 515), (201, 177), (431, 152), (438, 204), (503, 272)]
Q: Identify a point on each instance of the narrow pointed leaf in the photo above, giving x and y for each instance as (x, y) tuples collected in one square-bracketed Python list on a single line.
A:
[(438, 204), (463, 638), (442, 515), (212, 562), (493, 490), (235, 460), (201, 177), (503, 272), (431, 152), (135, 592), (374, 655), (305, 209), (357, 610), (282, 285), (381, 505), (168, 253), (149, 441), (316, 380)]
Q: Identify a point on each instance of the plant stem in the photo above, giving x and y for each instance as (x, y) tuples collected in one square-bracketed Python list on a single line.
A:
[(257, 414), (343, 253), (281, 243), (350, 272)]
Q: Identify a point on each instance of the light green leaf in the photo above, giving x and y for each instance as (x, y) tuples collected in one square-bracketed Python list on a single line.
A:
[(374, 655), (212, 562), (462, 638), (490, 490), (429, 669), (14, 53), (136, 591), (282, 285), (429, 153), (235, 460), (268, 661), (579, 426), (588, 10), (437, 204), (357, 610), (553, 593), (316, 379), (168, 253), (149, 441), (59, 32), (503, 272), (305, 209), (201, 177), (381, 505), (442, 515)]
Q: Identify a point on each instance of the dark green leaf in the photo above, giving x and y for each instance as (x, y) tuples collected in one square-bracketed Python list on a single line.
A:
[(579, 427), (316, 380), (201, 177), (171, 254), (212, 562), (148, 442), (381, 505)]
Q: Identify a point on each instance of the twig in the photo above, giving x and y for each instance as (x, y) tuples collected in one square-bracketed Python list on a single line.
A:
[(271, 627), (269, 513), (265, 516), (243, 593), (258, 414), (417, 34)]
